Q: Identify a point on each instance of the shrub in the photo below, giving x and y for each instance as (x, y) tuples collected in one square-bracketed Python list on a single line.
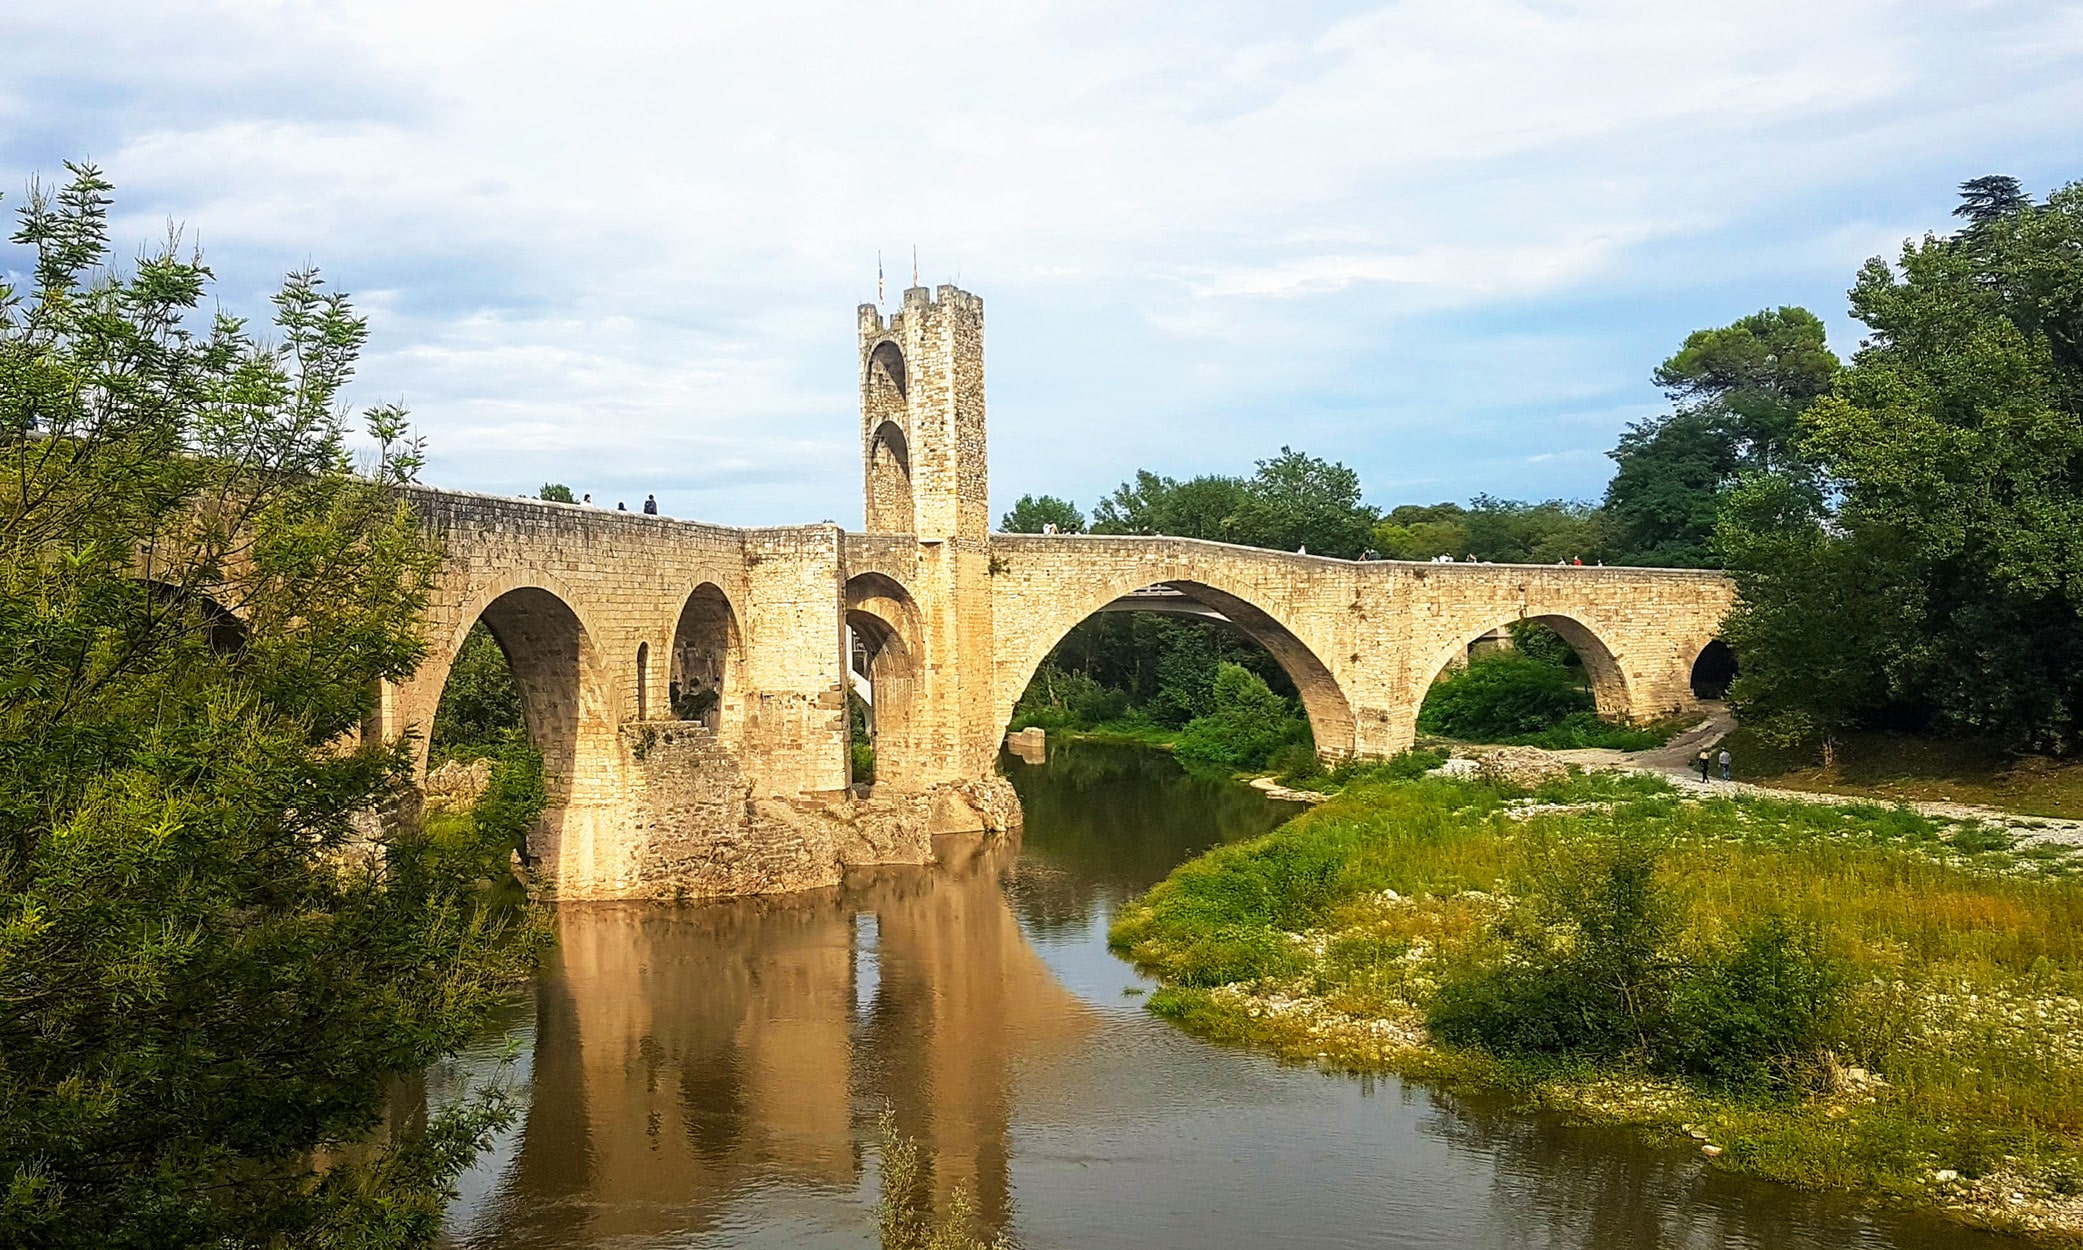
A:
[(1758, 1015), (1582, 973), (1247, 724), (1587, 969), (1295, 763), (1502, 694), (514, 800)]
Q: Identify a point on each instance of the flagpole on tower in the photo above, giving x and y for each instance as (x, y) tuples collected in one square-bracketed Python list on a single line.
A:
[(878, 279)]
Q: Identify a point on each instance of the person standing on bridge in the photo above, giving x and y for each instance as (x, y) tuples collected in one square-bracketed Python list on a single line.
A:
[(650, 505), (1725, 761), (1704, 762)]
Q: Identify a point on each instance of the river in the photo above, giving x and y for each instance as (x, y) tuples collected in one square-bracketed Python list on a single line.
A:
[(710, 1074)]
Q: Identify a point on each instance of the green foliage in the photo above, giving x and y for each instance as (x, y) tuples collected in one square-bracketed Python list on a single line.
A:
[(1032, 512), (556, 492), (1294, 500), (1953, 445), (1757, 1016), (1246, 722), (515, 799), (480, 711), (1201, 507), (860, 743), (1582, 972), (205, 975), (1142, 667), (1500, 695), (1589, 968), (1739, 392), (1502, 531)]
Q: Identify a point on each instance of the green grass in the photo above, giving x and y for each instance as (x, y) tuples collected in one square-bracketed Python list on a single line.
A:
[(1961, 957)]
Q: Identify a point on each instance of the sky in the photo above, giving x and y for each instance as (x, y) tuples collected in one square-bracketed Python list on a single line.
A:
[(619, 245)]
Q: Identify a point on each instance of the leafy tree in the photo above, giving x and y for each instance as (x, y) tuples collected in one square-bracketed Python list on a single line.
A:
[(480, 710), (1502, 695), (1201, 507), (1417, 532), (1815, 617), (1299, 501), (556, 492), (1246, 722), (1293, 500), (1739, 392), (1033, 512), (1667, 491), (1508, 531), (1954, 448), (206, 972)]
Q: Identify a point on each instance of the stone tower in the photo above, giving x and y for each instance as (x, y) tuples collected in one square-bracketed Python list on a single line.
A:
[(925, 475), (922, 417)]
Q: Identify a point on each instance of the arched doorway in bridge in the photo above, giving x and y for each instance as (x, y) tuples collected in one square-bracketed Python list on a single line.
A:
[(1186, 657), (1549, 679), (704, 655), (884, 660), (523, 673), (1712, 671)]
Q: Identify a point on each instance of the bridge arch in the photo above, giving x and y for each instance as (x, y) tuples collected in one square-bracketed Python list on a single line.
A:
[(1324, 700), (567, 690), (1611, 691), (704, 661), (1713, 668), (885, 622)]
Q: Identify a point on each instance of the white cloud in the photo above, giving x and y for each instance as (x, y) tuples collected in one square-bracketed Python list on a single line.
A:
[(620, 243)]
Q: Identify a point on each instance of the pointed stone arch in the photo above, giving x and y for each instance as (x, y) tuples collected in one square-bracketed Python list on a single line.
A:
[(884, 619), (705, 661)]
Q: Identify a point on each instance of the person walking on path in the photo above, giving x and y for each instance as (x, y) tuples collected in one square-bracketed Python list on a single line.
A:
[(1703, 761), (1725, 758), (650, 505)]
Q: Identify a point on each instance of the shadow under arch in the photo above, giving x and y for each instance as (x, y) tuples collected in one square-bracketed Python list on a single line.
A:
[(223, 632), (885, 621), (1323, 700), (566, 695), (890, 508), (1609, 688), (1712, 670), (705, 658), (888, 358)]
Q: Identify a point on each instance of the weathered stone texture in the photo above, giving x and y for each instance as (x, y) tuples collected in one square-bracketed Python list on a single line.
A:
[(607, 616)]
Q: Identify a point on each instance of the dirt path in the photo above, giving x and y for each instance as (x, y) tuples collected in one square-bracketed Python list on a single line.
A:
[(1674, 763)]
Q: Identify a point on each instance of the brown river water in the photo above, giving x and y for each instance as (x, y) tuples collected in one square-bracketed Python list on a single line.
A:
[(708, 1075)]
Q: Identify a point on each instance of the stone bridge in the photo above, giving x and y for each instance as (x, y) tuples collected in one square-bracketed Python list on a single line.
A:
[(687, 683)]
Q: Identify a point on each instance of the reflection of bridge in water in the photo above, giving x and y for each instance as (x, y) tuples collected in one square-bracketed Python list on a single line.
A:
[(686, 1057), (688, 684)]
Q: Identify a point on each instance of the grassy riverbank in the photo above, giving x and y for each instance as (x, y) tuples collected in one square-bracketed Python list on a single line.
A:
[(1840, 997), (1896, 767)]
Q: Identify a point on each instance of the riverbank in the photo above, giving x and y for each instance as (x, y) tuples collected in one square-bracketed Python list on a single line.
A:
[(1834, 996)]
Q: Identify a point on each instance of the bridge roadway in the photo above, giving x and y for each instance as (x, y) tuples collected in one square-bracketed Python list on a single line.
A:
[(688, 683)]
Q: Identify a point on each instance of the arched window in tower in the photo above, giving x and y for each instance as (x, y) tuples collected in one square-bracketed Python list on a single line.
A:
[(643, 677), (887, 453)]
